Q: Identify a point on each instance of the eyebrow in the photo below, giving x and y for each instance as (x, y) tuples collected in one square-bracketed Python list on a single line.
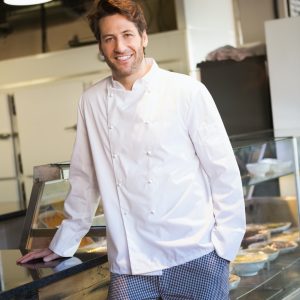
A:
[(111, 34), (128, 30)]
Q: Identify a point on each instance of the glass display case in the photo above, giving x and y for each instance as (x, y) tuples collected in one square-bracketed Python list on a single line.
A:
[(270, 176), (269, 170), (45, 211)]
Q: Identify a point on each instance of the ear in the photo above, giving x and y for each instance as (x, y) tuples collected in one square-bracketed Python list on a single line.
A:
[(101, 56), (144, 39)]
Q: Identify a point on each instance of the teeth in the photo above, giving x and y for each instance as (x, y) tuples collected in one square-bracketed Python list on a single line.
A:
[(123, 57)]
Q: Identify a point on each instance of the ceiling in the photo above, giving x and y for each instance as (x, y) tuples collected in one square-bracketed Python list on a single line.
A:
[(16, 17)]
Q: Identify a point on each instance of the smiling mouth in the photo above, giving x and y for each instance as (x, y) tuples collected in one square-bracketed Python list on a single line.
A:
[(123, 57)]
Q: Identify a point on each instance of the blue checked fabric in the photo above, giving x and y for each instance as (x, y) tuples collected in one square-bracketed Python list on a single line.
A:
[(205, 278)]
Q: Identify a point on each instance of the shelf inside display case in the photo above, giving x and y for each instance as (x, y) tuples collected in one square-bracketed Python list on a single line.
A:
[(265, 161), (46, 210), (248, 180)]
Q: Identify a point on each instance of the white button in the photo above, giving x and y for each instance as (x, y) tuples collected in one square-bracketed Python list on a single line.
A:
[(150, 181), (146, 122), (110, 95), (110, 127), (114, 156), (152, 212), (149, 153), (119, 184), (124, 213)]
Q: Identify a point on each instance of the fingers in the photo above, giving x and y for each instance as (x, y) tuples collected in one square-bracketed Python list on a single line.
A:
[(50, 257), (46, 254), (33, 255), (41, 264)]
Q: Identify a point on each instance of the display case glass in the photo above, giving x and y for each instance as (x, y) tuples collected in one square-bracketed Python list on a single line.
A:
[(269, 170), (46, 210), (270, 174)]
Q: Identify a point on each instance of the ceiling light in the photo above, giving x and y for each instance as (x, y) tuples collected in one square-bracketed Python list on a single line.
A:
[(25, 2)]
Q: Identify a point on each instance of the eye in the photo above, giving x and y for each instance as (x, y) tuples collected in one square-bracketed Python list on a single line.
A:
[(128, 35), (108, 39)]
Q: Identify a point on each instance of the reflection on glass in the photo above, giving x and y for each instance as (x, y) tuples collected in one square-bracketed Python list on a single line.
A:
[(265, 161)]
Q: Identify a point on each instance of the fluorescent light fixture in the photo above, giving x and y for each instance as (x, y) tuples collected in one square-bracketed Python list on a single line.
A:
[(25, 2)]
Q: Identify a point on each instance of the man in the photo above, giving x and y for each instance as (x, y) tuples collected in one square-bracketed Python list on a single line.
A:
[(152, 144)]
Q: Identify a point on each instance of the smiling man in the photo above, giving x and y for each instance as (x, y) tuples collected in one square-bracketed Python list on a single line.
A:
[(123, 49), (152, 144)]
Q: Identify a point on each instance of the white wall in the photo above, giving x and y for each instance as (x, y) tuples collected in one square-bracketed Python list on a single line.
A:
[(251, 16), (168, 48), (283, 50), (35, 69), (209, 24)]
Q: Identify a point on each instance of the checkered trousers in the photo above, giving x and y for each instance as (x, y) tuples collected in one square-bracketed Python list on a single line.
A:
[(205, 278)]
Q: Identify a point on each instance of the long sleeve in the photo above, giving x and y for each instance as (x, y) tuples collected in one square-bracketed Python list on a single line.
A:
[(83, 198), (216, 157)]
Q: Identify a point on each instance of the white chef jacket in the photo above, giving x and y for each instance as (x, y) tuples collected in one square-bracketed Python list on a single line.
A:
[(161, 161)]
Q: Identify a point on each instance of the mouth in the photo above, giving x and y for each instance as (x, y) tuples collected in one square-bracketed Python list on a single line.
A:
[(123, 57)]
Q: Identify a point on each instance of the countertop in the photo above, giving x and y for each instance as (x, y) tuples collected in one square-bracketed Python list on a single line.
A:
[(10, 209), (19, 280), (277, 280)]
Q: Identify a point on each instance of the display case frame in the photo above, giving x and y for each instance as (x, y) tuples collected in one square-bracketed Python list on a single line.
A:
[(51, 173)]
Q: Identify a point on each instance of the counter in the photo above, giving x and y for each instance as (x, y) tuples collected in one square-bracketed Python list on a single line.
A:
[(86, 274), (83, 274), (10, 209)]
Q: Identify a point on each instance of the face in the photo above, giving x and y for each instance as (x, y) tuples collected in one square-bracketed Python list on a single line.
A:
[(122, 47)]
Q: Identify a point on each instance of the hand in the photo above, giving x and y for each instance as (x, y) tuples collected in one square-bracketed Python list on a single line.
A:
[(46, 254), (41, 265)]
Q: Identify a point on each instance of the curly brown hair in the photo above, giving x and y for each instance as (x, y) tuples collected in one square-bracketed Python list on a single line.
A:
[(127, 8)]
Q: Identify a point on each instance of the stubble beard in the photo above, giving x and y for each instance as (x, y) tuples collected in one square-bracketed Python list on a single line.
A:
[(120, 72)]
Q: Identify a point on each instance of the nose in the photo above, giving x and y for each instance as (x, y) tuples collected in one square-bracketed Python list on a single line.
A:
[(120, 45)]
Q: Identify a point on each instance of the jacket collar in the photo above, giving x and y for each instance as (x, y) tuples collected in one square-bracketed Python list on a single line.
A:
[(145, 81)]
